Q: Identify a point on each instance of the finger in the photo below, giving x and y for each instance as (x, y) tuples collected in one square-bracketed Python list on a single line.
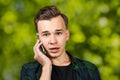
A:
[(38, 43), (35, 57)]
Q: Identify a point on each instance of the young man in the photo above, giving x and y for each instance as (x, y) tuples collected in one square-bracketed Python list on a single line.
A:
[(53, 62)]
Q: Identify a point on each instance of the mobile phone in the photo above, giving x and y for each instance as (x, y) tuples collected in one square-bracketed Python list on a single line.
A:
[(42, 49)]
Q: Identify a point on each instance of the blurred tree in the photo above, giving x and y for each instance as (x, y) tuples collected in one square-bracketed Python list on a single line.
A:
[(94, 26)]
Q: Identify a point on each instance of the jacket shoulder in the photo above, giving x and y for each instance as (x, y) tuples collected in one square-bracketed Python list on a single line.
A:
[(31, 70), (87, 64), (31, 65)]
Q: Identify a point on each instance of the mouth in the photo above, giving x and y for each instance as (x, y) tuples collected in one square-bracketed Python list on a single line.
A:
[(54, 50)]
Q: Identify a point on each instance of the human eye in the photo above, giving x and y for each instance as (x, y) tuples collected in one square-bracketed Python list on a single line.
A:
[(58, 33), (45, 35)]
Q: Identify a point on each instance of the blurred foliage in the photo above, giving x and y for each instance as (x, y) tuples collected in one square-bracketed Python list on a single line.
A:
[(94, 26)]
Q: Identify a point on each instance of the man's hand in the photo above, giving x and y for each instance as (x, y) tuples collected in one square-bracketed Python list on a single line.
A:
[(40, 56), (44, 61)]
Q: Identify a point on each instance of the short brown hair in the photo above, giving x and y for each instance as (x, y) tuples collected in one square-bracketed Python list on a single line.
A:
[(47, 13)]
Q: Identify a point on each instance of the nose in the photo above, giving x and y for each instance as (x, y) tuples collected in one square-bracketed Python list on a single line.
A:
[(53, 40)]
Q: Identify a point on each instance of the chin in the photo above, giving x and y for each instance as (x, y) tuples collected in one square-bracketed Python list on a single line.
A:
[(54, 55)]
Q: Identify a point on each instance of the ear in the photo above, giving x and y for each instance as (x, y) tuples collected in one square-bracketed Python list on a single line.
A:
[(38, 37), (67, 35)]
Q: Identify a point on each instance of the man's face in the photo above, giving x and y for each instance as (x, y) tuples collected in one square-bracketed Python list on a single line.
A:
[(53, 34)]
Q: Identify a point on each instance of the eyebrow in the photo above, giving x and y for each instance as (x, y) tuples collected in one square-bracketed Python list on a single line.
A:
[(59, 30), (44, 32), (55, 30)]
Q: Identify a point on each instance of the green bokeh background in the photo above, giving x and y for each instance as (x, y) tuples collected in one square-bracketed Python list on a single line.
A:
[(94, 26)]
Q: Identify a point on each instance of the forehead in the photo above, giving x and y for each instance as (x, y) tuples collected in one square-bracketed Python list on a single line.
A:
[(52, 24)]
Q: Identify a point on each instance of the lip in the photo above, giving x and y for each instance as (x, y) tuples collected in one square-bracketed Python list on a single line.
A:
[(54, 49)]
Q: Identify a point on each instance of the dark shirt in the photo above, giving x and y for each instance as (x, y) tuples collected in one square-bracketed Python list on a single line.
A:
[(63, 73), (82, 70)]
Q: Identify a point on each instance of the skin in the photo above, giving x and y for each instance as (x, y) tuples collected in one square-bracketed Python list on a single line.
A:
[(53, 35)]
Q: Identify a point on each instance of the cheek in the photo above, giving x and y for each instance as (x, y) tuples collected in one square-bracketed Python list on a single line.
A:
[(66, 38), (62, 40), (44, 41)]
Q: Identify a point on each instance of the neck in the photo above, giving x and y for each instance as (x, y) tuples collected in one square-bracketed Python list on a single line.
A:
[(63, 60)]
